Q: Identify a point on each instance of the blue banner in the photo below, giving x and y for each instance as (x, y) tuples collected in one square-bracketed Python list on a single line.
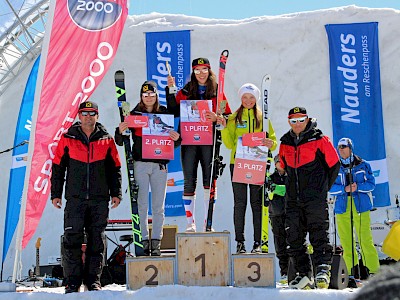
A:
[(356, 97), (172, 47), (19, 157)]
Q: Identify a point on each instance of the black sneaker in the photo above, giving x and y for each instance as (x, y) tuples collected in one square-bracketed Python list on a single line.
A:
[(71, 288), (94, 287), (240, 248), (256, 248)]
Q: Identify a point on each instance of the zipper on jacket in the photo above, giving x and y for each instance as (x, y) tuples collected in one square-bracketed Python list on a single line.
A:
[(88, 172)]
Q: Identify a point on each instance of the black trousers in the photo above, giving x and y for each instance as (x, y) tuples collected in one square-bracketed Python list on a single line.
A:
[(308, 215), (90, 217), (239, 208), (278, 229), (191, 155)]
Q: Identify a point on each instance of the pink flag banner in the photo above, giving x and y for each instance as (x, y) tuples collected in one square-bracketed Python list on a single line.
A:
[(195, 129), (84, 37)]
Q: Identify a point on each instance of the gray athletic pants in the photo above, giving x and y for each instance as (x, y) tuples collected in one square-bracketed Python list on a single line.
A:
[(155, 175)]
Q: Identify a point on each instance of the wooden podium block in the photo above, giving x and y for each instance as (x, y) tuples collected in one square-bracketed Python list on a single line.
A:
[(254, 270), (203, 259), (149, 271), (169, 235)]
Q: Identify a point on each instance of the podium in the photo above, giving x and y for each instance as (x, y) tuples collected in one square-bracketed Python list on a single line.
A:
[(149, 271), (202, 259), (254, 270)]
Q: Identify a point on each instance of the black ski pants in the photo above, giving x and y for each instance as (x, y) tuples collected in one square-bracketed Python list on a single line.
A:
[(191, 155), (308, 215), (239, 208), (278, 229), (84, 216)]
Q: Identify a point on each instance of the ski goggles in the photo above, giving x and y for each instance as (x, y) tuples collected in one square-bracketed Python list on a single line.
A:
[(297, 120), (145, 95), (197, 71), (88, 113), (342, 146)]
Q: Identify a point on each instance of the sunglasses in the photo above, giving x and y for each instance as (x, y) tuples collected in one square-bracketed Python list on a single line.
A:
[(197, 71), (145, 95), (88, 113), (295, 120), (342, 146)]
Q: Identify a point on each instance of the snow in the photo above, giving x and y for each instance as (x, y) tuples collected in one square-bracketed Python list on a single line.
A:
[(178, 292), (293, 48)]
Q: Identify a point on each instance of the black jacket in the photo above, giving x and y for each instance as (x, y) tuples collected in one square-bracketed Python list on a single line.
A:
[(92, 166)]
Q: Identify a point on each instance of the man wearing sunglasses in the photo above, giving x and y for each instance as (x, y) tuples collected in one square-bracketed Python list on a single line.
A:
[(88, 158), (353, 202), (312, 164)]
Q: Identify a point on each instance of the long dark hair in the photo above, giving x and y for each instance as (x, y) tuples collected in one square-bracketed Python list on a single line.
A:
[(211, 86), (257, 114)]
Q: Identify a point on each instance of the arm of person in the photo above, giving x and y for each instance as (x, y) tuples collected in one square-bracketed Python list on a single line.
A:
[(368, 183), (228, 133), (58, 170), (271, 142), (173, 100), (114, 177), (119, 138), (331, 159), (338, 187)]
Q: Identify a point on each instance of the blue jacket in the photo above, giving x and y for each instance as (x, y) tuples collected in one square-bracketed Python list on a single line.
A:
[(362, 175)]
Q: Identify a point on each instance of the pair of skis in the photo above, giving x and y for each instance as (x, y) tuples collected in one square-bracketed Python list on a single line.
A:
[(124, 110), (217, 166), (265, 88)]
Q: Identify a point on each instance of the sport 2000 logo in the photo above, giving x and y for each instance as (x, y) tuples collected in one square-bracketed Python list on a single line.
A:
[(94, 15)]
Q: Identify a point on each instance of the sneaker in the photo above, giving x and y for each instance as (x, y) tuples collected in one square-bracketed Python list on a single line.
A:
[(240, 248), (95, 286), (283, 279), (71, 288), (191, 227), (302, 282), (256, 247), (323, 276)]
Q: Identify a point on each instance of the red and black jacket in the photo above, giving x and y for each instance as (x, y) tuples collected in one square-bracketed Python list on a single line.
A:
[(93, 165), (311, 163)]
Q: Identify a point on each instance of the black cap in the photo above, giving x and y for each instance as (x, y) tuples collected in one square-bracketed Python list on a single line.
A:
[(88, 106), (277, 158), (148, 86), (200, 62), (297, 110)]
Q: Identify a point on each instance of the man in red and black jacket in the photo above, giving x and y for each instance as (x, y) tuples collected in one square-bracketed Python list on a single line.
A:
[(88, 156), (312, 165)]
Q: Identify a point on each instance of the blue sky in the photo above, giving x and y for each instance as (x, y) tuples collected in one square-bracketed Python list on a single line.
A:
[(239, 9)]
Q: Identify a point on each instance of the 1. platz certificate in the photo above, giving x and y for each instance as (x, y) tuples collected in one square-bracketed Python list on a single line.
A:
[(195, 129)]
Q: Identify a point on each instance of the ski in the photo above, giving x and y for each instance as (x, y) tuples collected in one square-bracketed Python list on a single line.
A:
[(217, 166), (124, 110), (265, 89)]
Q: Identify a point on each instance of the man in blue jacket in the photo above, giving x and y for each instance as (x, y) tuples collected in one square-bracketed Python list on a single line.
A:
[(353, 187)]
